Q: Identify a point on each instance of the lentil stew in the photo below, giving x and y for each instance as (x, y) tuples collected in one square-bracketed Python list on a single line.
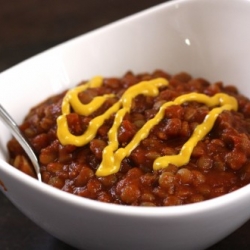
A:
[(219, 162)]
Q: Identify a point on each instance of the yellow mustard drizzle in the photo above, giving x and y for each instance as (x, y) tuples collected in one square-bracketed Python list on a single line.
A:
[(113, 155), (65, 137), (71, 99), (225, 101)]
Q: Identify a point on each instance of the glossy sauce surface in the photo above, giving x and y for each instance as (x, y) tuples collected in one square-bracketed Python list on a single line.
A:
[(209, 129)]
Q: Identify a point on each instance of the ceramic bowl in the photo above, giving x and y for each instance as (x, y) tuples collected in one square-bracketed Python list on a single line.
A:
[(208, 38)]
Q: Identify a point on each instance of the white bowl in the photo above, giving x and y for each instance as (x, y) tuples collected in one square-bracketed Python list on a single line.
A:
[(208, 38)]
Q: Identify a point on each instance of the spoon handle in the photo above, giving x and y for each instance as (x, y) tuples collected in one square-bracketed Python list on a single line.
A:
[(7, 119)]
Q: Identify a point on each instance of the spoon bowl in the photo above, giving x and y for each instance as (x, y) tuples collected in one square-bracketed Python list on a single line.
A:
[(11, 124)]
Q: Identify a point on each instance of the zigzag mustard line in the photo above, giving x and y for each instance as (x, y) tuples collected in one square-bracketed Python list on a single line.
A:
[(112, 154)]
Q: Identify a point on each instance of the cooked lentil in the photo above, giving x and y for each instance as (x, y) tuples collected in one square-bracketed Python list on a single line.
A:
[(219, 164)]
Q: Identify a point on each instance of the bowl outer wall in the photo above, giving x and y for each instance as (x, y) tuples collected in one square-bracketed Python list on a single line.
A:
[(108, 51), (88, 224)]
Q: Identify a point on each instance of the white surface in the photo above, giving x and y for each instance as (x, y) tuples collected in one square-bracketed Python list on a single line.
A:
[(208, 38)]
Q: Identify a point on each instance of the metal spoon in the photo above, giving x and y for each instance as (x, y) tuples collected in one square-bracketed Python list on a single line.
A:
[(8, 120)]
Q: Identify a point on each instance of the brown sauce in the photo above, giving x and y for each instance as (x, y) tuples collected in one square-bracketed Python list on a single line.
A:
[(219, 163)]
